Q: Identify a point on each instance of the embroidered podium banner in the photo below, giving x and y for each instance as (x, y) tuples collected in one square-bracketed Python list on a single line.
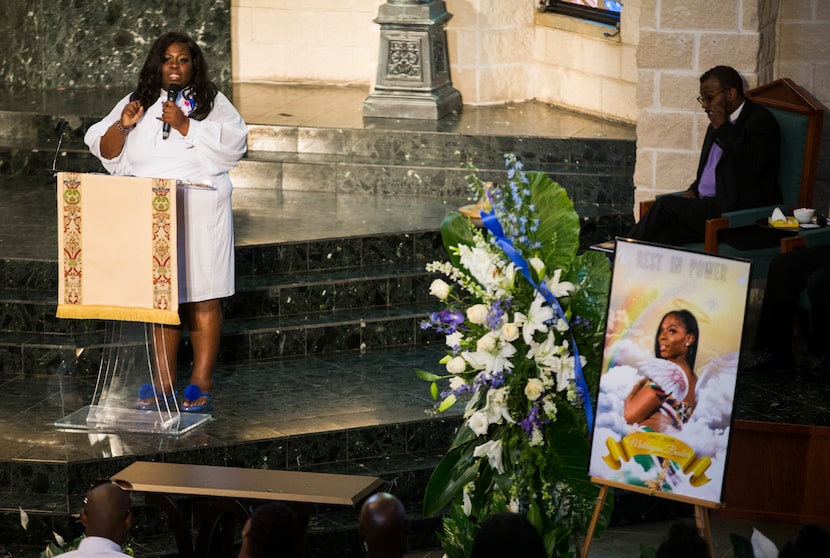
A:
[(669, 371), (117, 248)]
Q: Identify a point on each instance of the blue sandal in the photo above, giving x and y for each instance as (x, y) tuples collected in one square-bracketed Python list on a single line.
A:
[(149, 399), (193, 393)]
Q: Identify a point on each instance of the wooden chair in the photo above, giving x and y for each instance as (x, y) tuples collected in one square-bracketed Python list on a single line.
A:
[(800, 118)]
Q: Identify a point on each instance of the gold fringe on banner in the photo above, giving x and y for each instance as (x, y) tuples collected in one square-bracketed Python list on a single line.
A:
[(71, 311)]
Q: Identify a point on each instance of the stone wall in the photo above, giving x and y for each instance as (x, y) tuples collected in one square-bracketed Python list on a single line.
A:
[(499, 50), (324, 41), (491, 49), (51, 45), (680, 40), (588, 67), (803, 54)]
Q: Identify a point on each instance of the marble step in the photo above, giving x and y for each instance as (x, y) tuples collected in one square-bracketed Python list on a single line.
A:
[(262, 295), (243, 340), (35, 131), (604, 179), (606, 184)]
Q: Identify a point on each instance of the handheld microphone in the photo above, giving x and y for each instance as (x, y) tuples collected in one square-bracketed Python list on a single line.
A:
[(172, 92)]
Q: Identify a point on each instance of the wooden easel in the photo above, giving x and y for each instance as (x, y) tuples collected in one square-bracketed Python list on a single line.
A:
[(701, 510)]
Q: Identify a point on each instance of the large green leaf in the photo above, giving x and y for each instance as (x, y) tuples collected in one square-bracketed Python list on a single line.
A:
[(456, 469), (559, 223), (455, 230), (592, 275)]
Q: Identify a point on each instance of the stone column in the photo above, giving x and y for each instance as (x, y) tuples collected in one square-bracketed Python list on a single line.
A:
[(413, 79)]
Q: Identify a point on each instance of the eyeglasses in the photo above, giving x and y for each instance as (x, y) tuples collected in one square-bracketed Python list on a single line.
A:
[(708, 100)]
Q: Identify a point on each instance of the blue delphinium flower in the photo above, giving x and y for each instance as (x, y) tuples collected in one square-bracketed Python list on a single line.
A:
[(497, 311), (532, 420), (445, 321)]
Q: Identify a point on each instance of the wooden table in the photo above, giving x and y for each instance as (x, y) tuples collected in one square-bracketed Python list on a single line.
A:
[(219, 491)]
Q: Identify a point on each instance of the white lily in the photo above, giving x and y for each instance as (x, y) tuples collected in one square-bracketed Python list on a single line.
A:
[(537, 315), (496, 407), (491, 358), (492, 450), (478, 422), (467, 502), (559, 288)]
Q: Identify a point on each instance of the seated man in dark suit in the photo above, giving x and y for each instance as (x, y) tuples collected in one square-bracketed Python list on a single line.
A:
[(738, 166)]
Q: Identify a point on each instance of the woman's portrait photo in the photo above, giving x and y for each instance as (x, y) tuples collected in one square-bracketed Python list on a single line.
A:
[(669, 371)]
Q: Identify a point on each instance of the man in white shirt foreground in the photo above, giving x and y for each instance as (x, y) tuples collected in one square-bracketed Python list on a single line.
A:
[(106, 518)]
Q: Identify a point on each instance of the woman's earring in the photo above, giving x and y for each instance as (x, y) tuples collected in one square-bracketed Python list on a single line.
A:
[(687, 343)]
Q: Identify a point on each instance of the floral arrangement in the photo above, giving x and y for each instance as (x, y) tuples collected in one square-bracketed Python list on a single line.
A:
[(524, 324)]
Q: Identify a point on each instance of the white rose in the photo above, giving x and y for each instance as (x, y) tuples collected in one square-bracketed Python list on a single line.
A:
[(477, 314), (439, 289), (454, 339), (510, 332), (534, 388), (486, 343), (457, 365), (478, 423), (457, 382)]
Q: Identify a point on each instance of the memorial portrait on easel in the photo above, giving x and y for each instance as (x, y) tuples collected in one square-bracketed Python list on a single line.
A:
[(670, 364)]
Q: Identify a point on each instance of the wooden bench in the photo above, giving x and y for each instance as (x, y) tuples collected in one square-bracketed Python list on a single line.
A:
[(219, 491)]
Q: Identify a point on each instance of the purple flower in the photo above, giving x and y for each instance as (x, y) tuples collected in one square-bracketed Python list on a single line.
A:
[(497, 310), (445, 321), (532, 420), (493, 381)]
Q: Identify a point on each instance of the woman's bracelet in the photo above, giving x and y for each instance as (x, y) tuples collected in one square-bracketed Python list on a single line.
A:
[(122, 128)]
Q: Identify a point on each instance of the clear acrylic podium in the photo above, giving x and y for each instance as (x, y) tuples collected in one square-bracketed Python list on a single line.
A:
[(127, 363), (117, 241)]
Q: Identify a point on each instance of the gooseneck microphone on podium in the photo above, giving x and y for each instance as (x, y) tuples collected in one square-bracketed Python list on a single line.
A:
[(172, 92), (60, 128)]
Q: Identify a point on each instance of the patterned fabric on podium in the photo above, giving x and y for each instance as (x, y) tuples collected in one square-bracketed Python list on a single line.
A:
[(117, 248)]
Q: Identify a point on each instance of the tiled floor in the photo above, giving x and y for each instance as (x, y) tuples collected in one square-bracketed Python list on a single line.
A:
[(320, 393)]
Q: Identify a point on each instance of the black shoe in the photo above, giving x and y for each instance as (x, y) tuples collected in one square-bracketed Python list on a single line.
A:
[(766, 361)]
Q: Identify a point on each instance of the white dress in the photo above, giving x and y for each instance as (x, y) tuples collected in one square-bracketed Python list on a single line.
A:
[(211, 148)]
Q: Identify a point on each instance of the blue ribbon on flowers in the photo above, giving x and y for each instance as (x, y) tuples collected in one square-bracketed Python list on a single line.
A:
[(492, 224)]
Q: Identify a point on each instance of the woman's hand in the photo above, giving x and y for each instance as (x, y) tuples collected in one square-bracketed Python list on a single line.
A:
[(131, 114), (174, 116), (112, 142)]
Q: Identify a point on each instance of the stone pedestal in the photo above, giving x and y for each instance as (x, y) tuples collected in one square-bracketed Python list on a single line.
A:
[(413, 79)]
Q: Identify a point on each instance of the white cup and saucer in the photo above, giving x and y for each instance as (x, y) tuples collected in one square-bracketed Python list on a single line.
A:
[(804, 216)]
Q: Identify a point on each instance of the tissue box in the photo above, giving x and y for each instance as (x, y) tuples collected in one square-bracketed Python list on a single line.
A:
[(786, 223)]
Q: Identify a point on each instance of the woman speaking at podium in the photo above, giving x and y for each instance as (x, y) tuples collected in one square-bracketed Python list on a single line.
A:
[(176, 124)]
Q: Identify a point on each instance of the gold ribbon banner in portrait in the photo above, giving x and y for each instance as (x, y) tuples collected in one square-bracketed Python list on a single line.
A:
[(658, 445), (117, 248)]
